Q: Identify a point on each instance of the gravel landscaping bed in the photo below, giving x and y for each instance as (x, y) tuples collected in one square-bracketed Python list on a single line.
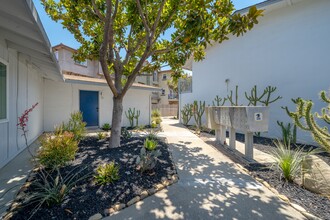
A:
[(87, 198), (314, 203)]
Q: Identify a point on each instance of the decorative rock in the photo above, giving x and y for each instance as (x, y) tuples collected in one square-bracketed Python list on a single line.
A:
[(159, 187), (97, 216), (310, 216), (175, 178), (144, 194), (109, 211), (151, 191), (259, 180), (283, 197), (316, 175), (266, 184), (274, 191), (134, 200), (298, 207), (119, 206), (166, 183)]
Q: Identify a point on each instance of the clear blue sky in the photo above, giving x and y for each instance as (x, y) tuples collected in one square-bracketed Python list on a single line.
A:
[(57, 34)]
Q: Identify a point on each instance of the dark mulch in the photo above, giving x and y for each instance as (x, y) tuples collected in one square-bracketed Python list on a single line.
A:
[(313, 203), (87, 198)]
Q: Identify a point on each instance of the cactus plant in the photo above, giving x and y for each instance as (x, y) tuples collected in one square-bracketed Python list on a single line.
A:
[(137, 115), (269, 90), (306, 120), (198, 110), (147, 159), (254, 98), (289, 133), (230, 97), (186, 113), (131, 114), (219, 101)]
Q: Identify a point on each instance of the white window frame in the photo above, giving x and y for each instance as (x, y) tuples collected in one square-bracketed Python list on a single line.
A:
[(5, 120)]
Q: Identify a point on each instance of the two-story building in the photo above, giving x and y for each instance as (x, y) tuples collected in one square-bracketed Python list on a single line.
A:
[(85, 89)]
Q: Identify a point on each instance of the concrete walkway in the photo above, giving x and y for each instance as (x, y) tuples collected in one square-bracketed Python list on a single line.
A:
[(211, 186), (13, 176)]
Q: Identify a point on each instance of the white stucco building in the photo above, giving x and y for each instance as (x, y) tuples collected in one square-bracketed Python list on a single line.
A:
[(289, 49), (30, 73)]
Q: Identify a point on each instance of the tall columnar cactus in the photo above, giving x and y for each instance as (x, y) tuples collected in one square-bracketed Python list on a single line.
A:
[(306, 120), (254, 98), (186, 113), (198, 110), (289, 133), (269, 90), (230, 97), (131, 115), (136, 116), (219, 101)]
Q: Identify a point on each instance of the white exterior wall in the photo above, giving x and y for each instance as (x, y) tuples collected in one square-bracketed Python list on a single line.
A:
[(25, 86), (63, 98), (288, 49)]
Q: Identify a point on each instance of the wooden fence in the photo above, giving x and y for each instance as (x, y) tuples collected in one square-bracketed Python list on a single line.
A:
[(166, 110)]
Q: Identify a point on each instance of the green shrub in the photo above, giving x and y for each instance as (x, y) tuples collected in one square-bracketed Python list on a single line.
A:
[(288, 161), (155, 113), (106, 127), (101, 135), (107, 173), (76, 125), (58, 150), (125, 133), (150, 145), (152, 134)]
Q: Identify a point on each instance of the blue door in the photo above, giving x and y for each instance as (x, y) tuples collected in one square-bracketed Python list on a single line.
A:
[(89, 106)]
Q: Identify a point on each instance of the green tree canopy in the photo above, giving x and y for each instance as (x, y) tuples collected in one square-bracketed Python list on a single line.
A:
[(134, 36)]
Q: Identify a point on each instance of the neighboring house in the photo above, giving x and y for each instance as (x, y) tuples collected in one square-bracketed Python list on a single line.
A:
[(85, 89), (289, 49), (30, 73), (168, 96), (166, 100)]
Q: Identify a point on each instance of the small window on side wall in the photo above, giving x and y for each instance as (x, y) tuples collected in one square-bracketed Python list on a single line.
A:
[(163, 91), (81, 63), (164, 77), (3, 91)]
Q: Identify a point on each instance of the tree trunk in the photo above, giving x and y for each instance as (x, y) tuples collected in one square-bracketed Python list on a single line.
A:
[(116, 122)]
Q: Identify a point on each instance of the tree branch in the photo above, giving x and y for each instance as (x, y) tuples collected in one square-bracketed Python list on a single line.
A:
[(97, 11), (104, 49), (144, 21), (159, 14)]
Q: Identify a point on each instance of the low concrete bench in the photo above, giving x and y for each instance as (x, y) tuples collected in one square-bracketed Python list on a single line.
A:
[(246, 119)]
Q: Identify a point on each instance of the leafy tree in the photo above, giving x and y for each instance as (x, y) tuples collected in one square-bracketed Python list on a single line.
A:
[(133, 36)]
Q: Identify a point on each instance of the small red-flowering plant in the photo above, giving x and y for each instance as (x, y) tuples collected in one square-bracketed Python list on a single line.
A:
[(22, 123)]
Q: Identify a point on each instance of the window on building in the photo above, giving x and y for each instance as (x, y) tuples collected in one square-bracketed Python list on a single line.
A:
[(56, 54), (163, 91), (3, 91), (155, 76), (164, 76), (81, 63)]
